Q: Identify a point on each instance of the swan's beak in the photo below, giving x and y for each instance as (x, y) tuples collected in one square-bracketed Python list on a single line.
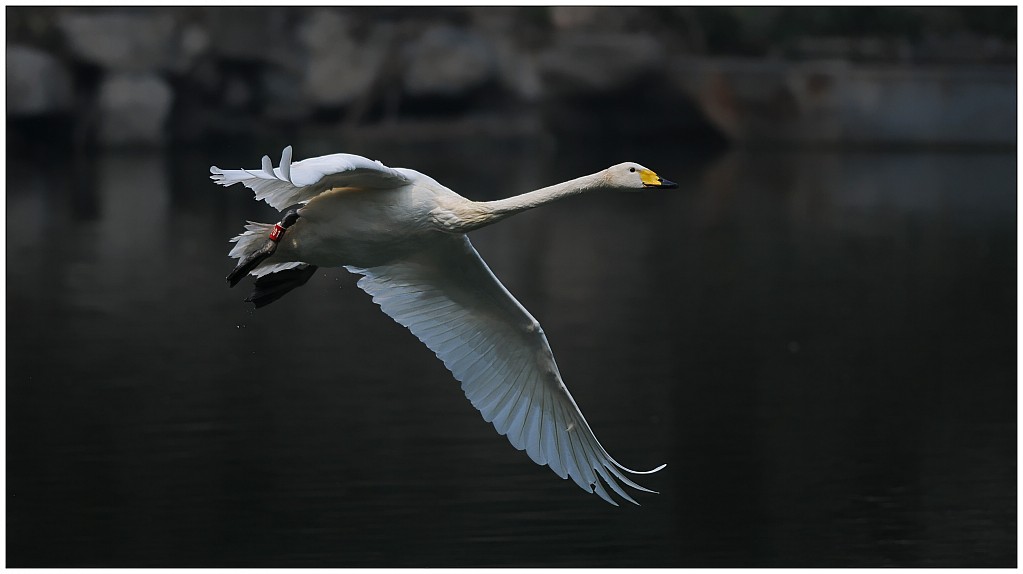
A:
[(665, 184), (651, 179)]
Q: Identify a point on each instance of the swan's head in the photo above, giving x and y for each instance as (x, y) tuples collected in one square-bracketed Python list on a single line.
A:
[(632, 176)]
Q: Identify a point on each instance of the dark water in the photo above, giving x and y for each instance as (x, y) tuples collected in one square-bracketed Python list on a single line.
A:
[(820, 345)]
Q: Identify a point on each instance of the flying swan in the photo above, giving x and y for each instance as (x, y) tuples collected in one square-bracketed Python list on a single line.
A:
[(405, 234)]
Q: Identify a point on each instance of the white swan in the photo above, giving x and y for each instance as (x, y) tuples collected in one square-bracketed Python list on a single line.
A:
[(405, 234)]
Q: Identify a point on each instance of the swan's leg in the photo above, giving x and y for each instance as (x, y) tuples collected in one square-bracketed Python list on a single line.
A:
[(250, 261)]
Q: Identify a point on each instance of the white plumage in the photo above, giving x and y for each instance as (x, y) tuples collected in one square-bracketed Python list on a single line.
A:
[(300, 181), (405, 234)]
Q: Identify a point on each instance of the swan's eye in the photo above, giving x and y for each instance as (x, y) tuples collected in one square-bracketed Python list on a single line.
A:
[(632, 169)]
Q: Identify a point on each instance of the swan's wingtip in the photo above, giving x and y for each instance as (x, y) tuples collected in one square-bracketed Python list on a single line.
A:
[(286, 163), (651, 471), (218, 175)]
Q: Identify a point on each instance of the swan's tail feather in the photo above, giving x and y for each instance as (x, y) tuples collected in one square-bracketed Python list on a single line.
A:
[(251, 239), (248, 243)]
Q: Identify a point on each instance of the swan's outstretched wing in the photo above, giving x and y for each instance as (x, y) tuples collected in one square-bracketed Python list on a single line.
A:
[(448, 297), (298, 182)]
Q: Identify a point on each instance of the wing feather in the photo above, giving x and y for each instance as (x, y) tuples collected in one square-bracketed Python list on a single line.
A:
[(300, 181), (533, 427), (448, 297), (579, 454), (599, 489), (568, 457), (503, 385), (491, 388), (614, 485)]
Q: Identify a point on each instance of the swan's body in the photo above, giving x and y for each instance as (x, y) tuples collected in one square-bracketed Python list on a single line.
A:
[(405, 233)]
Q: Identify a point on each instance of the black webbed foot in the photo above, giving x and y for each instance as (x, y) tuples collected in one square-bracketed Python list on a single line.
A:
[(273, 286), (250, 261)]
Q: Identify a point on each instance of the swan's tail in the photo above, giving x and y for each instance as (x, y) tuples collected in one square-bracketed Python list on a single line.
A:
[(252, 240), (274, 279)]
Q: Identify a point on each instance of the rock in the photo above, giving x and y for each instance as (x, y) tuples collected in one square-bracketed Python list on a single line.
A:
[(567, 17), (517, 70), (237, 93), (446, 60), (133, 109), (281, 101), (129, 42), (37, 83), (195, 41), (253, 34), (586, 63), (339, 68), (771, 102), (511, 34), (599, 20)]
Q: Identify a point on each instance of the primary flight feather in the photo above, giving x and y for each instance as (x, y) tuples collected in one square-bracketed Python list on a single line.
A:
[(405, 234)]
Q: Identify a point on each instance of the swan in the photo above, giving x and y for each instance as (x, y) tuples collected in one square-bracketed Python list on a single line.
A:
[(405, 234)]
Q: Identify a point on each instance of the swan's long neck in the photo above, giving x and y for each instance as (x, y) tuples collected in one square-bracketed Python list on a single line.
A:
[(493, 211)]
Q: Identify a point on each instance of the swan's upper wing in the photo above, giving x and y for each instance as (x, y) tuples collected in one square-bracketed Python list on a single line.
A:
[(448, 297), (300, 181)]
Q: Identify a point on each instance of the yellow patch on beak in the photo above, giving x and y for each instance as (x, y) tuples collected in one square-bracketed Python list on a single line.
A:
[(651, 179)]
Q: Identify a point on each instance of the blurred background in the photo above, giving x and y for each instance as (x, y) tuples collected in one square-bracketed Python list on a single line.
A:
[(816, 331)]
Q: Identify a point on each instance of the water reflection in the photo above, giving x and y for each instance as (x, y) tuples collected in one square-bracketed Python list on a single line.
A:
[(820, 345)]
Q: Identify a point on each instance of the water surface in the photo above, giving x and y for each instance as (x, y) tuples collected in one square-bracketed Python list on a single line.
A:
[(820, 345)]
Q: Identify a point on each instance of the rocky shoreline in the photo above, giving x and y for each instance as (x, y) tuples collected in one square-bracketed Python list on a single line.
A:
[(152, 76)]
